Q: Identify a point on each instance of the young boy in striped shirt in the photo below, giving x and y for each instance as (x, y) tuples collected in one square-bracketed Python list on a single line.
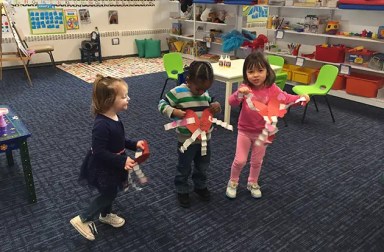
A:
[(192, 95)]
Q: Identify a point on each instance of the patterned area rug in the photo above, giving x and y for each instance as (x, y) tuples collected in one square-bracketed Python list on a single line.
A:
[(119, 68)]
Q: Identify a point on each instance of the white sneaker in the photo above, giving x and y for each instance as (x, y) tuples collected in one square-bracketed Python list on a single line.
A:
[(86, 229), (231, 189), (255, 190), (112, 219)]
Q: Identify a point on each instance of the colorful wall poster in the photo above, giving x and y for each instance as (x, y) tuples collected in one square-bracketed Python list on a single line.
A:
[(46, 21), (71, 19), (255, 13)]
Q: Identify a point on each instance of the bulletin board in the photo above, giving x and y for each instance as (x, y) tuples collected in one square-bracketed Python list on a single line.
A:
[(46, 21)]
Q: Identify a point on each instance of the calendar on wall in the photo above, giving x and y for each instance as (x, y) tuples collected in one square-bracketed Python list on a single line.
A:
[(46, 21)]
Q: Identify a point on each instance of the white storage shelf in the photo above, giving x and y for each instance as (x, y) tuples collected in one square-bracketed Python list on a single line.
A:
[(326, 62), (192, 33), (377, 102), (333, 36)]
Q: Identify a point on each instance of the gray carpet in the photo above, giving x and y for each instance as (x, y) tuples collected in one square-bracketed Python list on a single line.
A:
[(319, 179)]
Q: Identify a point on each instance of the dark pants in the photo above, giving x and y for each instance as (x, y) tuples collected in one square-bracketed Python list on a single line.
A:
[(184, 168), (101, 204)]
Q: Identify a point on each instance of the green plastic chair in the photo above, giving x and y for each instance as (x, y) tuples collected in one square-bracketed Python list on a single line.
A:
[(173, 64), (281, 76), (323, 84)]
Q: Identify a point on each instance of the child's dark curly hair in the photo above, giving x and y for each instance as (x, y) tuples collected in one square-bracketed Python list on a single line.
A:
[(200, 71)]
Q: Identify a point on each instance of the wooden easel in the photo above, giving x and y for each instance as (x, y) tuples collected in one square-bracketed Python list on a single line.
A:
[(21, 54)]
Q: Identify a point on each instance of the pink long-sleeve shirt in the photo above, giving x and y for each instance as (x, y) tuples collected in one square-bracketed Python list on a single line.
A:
[(250, 120)]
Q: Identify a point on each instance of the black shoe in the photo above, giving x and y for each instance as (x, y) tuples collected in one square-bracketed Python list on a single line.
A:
[(204, 194), (183, 199)]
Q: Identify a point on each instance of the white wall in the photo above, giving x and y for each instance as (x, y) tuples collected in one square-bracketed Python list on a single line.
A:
[(134, 22)]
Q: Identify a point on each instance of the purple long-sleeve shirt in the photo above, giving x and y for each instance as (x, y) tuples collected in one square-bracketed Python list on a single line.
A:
[(250, 120)]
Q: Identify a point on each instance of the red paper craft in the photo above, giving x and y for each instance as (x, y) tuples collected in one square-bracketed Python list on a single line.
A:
[(203, 124), (145, 154)]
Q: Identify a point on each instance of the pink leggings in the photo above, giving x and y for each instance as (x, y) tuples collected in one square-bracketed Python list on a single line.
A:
[(244, 142)]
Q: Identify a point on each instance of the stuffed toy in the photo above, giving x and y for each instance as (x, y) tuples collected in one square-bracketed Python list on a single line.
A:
[(232, 41), (212, 17), (258, 43), (204, 16), (221, 16)]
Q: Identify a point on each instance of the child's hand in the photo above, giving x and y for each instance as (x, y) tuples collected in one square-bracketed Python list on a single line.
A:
[(215, 107), (244, 90), (129, 164), (140, 144), (307, 98), (178, 113)]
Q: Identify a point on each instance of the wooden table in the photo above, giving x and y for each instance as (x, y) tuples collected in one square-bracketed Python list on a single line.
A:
[(12, 137), (231, 75)]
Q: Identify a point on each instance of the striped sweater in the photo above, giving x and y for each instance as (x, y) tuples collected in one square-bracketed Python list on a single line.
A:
[(181, 97)]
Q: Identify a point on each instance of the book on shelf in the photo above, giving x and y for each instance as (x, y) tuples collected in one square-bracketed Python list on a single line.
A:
[(176, 28)]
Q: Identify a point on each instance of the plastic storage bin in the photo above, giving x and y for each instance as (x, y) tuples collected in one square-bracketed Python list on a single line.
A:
[(303, 75), (288, 69), (363, 85), (334, 54), (340, 82), (358, 57)]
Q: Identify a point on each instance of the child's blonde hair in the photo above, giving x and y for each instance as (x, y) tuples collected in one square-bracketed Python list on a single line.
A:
[(104, 93)]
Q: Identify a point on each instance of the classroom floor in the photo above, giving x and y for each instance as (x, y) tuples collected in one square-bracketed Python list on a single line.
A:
[(320, 180)]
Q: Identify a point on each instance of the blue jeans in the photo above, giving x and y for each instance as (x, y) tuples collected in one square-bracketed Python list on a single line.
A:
[(184, 168), (101, 204)]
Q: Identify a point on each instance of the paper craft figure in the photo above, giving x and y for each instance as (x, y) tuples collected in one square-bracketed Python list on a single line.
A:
[(3, 123), (198, 127), (145, 154), (270, 112), (140, 157)]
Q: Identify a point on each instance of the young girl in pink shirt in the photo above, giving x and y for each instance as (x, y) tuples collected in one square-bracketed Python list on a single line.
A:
[(259, 82)]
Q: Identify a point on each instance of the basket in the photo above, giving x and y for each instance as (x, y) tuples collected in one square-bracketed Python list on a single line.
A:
[(377, 62), (358, 57), (288, 69), (303, 75), (334, 54), (363, 85)]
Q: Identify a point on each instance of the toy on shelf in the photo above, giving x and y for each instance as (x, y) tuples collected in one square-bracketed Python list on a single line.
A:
[(380, 32), (198, 127), (359, 55), (294, 49), (332, 27)]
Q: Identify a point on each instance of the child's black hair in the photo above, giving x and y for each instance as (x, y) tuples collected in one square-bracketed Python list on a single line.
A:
[(257, 59), (200, 71)]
